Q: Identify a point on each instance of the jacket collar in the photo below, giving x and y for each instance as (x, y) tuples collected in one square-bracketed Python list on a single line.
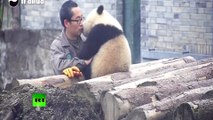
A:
[(65, 42)]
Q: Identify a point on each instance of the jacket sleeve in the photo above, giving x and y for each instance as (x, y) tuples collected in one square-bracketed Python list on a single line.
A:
[(59, 59)]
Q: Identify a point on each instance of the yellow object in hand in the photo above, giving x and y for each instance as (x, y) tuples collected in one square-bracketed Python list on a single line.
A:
[(71, 71)]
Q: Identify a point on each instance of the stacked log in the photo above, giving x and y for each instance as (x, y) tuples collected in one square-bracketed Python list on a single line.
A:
[(107, 82), (149, 91), (98, 86), (196, 110), (162, 110), (62, 81), (116, 103)]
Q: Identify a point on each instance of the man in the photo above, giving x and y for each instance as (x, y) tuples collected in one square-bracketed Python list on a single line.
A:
[(65, 47)]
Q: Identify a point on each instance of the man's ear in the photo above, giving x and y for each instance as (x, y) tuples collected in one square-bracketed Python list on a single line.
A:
[(66, 23)]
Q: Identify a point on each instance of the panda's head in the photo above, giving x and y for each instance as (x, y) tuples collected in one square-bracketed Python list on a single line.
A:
[(99, 16)]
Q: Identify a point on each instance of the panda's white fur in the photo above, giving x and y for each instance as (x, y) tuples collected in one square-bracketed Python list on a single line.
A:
[(94, 18), (114, 55)]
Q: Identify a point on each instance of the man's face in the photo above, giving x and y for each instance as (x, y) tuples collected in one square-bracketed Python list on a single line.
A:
[(75, 26)]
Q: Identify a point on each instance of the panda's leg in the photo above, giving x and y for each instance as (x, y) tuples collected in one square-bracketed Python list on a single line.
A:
[(87, 72)]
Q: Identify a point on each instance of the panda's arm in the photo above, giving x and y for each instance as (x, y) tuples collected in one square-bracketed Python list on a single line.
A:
[(91, 45), (97, 37), (87, 52)]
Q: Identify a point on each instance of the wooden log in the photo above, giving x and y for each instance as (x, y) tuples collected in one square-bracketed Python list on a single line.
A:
[(162, 110), (159, 67), (139, 65), (123, 98), (116, 104), (97, 86), (61, 81), (196, 110)]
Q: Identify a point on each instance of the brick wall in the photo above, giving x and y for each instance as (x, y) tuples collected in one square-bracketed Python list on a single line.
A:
[(46, 16), (166, 25), (177, 25)]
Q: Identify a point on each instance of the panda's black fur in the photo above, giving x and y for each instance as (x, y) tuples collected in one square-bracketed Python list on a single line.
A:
[(99, 35), (105, 43)]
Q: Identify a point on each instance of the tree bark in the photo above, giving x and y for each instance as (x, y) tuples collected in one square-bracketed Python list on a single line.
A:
[(118, 103), (61, 81), (97, 86), (121, 99), (196, 110), (162, 110)]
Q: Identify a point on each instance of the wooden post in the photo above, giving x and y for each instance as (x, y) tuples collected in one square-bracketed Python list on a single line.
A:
[(132, 27)]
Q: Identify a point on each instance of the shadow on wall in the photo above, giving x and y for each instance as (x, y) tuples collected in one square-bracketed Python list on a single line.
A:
[(25, 53)]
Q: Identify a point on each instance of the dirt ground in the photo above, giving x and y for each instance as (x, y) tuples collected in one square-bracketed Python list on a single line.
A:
[(61, 105)]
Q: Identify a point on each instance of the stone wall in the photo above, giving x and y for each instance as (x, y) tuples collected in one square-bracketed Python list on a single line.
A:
[(177, 26), (183, 26), (25, 53), (46, 16)]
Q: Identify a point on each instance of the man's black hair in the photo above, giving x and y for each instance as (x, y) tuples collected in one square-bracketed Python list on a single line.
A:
[(65, 10)]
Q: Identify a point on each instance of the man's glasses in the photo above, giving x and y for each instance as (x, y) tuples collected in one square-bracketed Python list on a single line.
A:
[(78, 20)]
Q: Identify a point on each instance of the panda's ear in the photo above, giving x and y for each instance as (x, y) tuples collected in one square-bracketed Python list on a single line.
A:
[(100, 9)]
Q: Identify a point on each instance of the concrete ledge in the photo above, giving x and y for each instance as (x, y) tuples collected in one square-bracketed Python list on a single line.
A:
[(155, 55)]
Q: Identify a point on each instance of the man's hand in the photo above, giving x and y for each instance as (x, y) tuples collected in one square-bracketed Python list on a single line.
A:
[(72, 72)]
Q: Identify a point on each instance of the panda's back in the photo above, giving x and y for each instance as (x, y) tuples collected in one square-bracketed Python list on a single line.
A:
[(113, 56)]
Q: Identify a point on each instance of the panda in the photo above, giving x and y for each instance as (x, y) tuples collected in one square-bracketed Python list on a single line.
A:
[(105, 43)]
